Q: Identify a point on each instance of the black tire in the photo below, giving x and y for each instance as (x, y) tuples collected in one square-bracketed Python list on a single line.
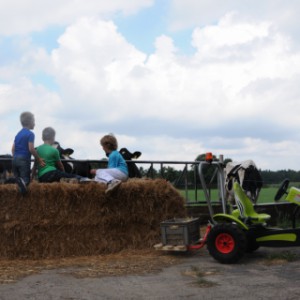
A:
[(227, 243)]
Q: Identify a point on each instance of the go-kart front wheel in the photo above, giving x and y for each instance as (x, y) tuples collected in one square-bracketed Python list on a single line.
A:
[(226, 243)]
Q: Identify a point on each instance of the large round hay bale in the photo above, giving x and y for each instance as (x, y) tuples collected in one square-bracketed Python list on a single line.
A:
[(63, 219)]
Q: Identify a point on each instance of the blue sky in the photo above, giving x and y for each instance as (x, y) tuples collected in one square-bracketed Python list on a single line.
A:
[(170, 78), (142, 29), (48, 37)]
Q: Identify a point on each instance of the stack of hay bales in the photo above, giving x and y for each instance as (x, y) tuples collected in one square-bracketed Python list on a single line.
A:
[(63, 219)]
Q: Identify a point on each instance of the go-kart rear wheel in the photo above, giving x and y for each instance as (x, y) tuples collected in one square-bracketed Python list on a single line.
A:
[(226, 243)]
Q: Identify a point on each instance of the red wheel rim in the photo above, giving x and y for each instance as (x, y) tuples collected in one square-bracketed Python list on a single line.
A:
[(225, 243)]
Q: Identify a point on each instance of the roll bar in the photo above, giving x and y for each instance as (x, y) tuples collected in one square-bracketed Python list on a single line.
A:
[(219, 172)]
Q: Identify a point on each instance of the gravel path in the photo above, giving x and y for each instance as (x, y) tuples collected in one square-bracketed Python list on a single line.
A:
[(260, 275)]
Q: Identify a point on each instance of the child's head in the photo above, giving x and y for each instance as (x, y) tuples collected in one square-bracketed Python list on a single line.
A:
[(27, 120), (109, 142), (48, 135)]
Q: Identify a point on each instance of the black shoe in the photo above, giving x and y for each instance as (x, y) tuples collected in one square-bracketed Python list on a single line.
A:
[(22, 186)]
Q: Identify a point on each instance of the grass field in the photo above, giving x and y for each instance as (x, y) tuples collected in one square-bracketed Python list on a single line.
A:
[(266, 195)]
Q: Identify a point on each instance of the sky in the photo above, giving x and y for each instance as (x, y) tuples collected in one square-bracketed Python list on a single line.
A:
[(170, 78)]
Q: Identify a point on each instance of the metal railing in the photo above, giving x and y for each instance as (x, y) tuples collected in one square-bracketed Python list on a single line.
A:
[(155, 169), (189, 186)]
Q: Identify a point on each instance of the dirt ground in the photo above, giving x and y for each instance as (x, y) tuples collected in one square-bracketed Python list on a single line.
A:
[(266, 274)]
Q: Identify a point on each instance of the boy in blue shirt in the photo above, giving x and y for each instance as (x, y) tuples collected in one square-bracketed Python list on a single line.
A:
[(22, 149)]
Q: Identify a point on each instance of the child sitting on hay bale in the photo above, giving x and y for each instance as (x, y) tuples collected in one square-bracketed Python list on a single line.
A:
[(54, 170), (117, 170)]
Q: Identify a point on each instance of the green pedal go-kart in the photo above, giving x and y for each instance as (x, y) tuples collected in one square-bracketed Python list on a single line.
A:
[(245, 230)]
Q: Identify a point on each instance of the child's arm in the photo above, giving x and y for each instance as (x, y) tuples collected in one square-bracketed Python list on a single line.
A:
[(35, 154), (33, 170), (60, 166)]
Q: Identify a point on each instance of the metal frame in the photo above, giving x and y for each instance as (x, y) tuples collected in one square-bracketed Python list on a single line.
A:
[(183, 176), (219, 172)]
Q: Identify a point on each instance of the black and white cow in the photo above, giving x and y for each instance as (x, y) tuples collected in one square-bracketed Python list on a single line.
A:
[(71, 165), (247, 175), (133, 170), (5, 167)]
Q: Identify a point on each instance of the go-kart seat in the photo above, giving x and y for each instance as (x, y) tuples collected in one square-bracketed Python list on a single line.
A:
[(246, 210)]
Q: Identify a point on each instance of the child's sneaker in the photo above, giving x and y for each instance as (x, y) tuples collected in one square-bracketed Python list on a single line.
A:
[(112, 185), (85, 180), (22, 186)]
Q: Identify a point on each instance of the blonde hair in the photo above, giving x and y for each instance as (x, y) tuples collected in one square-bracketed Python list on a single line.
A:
[(26, 119), (109, 141)]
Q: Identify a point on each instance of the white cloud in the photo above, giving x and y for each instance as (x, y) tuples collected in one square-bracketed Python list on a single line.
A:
[(98, 67), (21, 17), (190, 13), (215, 41), (237, 95)]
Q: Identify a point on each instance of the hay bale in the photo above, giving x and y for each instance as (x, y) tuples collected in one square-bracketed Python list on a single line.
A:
[(61, 219)]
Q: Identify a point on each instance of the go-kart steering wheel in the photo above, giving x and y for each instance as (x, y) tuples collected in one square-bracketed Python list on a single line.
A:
[(282, 189)]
